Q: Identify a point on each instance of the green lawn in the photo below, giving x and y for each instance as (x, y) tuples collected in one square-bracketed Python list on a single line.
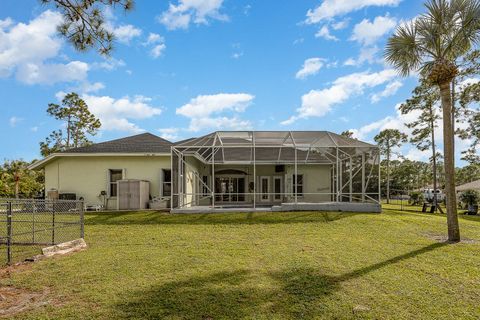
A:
[(299, 265)]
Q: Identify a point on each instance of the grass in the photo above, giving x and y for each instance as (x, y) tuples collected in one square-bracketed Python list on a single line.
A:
[(149, 265)]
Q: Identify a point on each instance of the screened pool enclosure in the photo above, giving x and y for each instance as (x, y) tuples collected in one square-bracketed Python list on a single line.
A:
[(283, 170)]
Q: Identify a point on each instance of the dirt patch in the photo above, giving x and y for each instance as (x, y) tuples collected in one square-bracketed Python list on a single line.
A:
[(15, 300), (444, 238)]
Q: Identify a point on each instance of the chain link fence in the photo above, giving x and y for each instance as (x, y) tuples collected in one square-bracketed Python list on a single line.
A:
[(412, 200), (27, 225)]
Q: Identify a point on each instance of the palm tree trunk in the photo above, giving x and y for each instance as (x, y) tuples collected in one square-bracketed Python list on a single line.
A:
[(434, 156), (434, 160), (452, 218)]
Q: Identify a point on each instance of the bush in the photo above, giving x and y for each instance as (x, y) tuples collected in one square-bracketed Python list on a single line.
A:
[(470, 197), (416, 198)]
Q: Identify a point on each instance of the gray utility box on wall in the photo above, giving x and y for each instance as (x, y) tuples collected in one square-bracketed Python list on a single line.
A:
[(133, 194)]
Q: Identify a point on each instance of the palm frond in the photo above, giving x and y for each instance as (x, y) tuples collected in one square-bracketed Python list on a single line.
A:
[(402, 50)]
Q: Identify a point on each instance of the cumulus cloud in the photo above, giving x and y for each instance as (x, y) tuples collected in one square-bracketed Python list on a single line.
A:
[(39, 73), (390, 90), (318, 103), (367, 54), (26, 48), (109, 64), (324, 32), (125, 33), (87, 87), (367, 33), (217, 111), (156, 43), (310, 67), (179, 16), (340, 24), (329, 9), (115, 114), (170, 134)]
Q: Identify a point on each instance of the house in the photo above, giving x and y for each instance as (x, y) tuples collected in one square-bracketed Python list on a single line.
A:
[(474, 185), (224, 170)]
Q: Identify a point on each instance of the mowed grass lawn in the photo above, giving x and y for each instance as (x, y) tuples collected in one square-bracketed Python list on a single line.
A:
[(298, 265)]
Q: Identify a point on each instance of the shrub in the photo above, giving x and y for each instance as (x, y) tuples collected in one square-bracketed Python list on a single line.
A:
[(416, 197), (470, 197)]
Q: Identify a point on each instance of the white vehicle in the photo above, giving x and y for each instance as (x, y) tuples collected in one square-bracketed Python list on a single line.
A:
[(428, 195)]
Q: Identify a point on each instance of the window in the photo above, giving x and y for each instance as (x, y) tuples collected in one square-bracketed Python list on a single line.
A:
[(167, 183), (115, 175), (298, 185)]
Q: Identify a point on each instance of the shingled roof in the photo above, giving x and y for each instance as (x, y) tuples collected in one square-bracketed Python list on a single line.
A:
[(141, 143), (475, 185)]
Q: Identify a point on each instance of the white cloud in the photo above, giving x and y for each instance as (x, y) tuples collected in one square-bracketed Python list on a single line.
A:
[(324, 32), (332, 8), (191, 11), (40, 73), (109, 64), (310, 67), (6, 23), (340, 24), (26, 48), (158, 44), (390, 90), (115, 114), (13, 121), (87, 87), (154, 38), (367, 54), (208, 111), (218, 123), (34, 129), (170, 134), (125, 33), (367, 33), (317, 103), (157, 50)]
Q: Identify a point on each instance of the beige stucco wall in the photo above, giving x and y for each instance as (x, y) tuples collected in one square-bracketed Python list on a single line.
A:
[(87, 176)]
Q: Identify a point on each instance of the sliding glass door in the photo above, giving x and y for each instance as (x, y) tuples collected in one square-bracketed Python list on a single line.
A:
[(230, 189)]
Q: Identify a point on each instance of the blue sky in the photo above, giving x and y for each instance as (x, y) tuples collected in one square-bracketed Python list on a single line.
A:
[(184, 68)]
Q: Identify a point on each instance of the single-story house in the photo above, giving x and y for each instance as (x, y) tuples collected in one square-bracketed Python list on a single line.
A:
[(224, 170), (474, 185)]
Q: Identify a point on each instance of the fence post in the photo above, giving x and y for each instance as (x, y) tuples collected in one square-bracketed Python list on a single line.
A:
[(9, 232), (82, 221), (34, 209), (53, 222)]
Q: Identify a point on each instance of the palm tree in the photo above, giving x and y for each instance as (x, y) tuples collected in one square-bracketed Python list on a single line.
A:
[(431, 44)]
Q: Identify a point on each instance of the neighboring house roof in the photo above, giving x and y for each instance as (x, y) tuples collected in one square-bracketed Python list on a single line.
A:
[(140, 144), (475, 185)]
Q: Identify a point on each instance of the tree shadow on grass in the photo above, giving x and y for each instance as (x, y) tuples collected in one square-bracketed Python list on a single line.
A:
[(293, 294), (161, 218), (475, 218)]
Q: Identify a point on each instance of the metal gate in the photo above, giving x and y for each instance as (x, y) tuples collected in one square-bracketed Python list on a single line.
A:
[(27, 225)]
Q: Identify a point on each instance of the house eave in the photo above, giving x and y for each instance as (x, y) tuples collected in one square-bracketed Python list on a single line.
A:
[(42, 163)]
